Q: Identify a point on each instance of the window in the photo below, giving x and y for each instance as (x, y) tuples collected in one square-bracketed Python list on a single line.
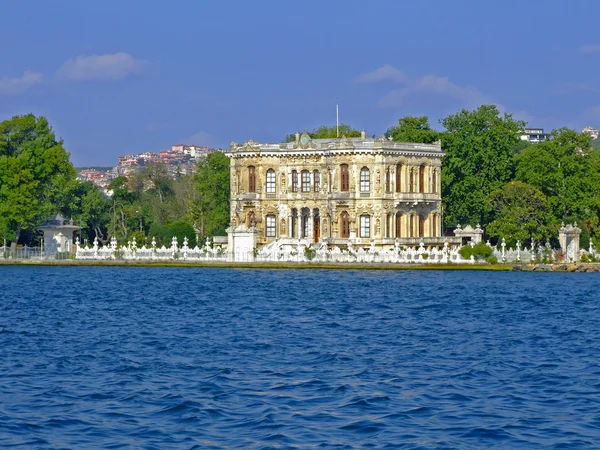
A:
[(434, 225), (399, 178), (434, 181), (365, 226), (364, 179), (271, 181), (387, 180), (345, 225), (270, 231), (344, 178), (305, 181), (421, 223), (398, 225), (317, 180), (422, 179), (411, 181), (251, 179), (294, 181)]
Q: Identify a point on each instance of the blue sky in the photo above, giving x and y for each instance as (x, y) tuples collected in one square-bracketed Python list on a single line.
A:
[(117, 77)]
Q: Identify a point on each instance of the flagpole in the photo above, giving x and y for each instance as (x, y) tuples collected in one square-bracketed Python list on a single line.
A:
[(337, 121)]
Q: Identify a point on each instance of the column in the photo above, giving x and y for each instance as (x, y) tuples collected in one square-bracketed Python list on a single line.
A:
[(310, 233)]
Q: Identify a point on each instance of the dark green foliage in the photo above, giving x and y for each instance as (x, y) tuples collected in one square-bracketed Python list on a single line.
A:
[(325, 132), (478, 251), (36, 176), (210, 210), (520, 212), (479, 159), (164, 233), (413, 129), (491, 259)]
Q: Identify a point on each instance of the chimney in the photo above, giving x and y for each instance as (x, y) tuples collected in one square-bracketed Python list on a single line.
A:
[(297, 137), (363, 135)]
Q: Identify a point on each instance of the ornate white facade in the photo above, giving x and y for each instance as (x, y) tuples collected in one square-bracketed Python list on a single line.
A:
[(374, 192)]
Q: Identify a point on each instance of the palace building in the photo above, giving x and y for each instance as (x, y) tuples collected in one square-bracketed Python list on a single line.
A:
[(374, 192)]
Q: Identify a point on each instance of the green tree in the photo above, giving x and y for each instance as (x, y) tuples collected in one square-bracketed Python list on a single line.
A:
[(413, 129), (520, 213), (325, 132), (479, 147), (36, 175), (210, 210), (90, 208), (561, 168)]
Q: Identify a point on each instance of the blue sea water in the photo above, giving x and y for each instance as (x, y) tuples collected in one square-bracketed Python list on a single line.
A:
[(161, 358)]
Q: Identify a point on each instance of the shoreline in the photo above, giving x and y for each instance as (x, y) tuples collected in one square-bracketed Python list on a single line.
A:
[(555, 267), (255, 265)]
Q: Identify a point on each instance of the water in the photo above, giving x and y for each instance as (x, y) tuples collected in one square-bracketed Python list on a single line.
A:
[(160, 358)]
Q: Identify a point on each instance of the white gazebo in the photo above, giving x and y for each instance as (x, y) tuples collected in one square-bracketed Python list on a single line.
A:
[(58, 235)]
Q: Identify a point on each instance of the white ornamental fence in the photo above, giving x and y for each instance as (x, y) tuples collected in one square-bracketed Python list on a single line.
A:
[(302, 251)]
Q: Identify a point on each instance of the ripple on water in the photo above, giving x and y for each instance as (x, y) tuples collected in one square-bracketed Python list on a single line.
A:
[(221, 358)]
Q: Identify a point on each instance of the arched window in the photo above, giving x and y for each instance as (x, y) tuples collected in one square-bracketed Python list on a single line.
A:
[(270, 228), (305, 181), (344, 225), (422, 179), (251, 179), (365, 226), (387, 180), (398, 225), (271, 182), (294, 181), (365, 180), (399, 178), (317, 180), (344, 178)]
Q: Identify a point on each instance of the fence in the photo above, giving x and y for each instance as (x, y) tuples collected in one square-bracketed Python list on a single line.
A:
[(26, 252)]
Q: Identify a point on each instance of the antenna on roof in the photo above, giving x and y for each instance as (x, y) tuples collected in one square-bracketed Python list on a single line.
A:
[(337, 121)]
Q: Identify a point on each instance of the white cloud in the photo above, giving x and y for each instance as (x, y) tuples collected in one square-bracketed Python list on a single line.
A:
[(115, 66), (590, 48), (20, 85), (426, 84), (385, 72)]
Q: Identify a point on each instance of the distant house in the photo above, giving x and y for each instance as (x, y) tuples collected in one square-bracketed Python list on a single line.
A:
[(534, 135)]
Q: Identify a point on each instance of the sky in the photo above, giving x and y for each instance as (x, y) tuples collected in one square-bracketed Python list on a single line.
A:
[(117, 77)]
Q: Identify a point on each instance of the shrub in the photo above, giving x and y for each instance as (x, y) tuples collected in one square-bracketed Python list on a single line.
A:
[(478, 251), (309, 253), (492, 259)]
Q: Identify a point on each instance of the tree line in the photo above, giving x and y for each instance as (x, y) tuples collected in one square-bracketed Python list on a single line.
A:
[(490, 176), (38, 180)]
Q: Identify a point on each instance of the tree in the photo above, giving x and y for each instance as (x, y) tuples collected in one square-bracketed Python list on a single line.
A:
[(36, 175), (210, 211), (561, 168), (413, 129), (521, 213), (90, 208), (479, 147), (325, 132)]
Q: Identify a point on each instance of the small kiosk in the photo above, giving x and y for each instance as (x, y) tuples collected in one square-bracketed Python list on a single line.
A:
[(58, 236)]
